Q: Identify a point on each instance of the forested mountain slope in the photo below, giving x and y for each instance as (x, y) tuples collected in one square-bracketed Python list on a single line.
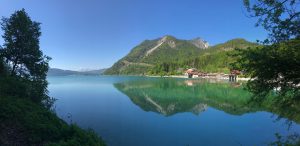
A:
[(169, 55)]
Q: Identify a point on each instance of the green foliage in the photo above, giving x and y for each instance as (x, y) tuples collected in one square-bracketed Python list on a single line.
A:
[(21, 46), (137, 53), (23, 122), (23, 56), (25, 115), (275, 66), (280, 17), (135, 69), (165, 53)]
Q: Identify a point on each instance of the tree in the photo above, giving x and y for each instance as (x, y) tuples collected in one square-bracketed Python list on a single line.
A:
[(2, 67), (21, 52), (276, 65), (272, 67), (281, 18)]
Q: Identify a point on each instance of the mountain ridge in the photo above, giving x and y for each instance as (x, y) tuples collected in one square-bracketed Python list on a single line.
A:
[(150, 53), (62, 72)]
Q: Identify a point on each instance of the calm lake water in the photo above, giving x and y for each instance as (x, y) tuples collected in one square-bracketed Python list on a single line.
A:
[(140, 111)]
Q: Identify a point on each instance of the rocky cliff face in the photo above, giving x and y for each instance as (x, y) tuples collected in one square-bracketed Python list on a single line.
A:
[(200, 43)]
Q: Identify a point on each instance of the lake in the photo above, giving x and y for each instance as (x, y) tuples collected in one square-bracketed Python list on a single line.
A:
[(144, 111)]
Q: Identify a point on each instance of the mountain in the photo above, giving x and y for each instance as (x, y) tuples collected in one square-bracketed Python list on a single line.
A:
[(150, 52), (234, 43), (93, 72), (168, 54), (61, 72), (217, 58)]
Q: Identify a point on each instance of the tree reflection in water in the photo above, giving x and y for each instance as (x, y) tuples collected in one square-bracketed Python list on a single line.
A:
[(172, 96)]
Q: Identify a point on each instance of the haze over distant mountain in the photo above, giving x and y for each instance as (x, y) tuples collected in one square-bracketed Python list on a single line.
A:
[(152, 54), (61, 72)]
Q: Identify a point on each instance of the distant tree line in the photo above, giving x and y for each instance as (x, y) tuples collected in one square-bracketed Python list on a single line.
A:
[(210, 63)]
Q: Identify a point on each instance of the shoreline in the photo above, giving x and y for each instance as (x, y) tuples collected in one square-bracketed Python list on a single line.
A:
[(196, 77), (217, 77)]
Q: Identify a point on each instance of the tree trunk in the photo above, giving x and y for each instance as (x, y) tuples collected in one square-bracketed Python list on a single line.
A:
[(13, 69)]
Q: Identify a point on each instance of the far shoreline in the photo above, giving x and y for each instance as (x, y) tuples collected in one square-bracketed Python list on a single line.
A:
[(218, 77), (201, 77)]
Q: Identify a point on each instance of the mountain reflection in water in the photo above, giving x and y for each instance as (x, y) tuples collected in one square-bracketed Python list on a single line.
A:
[(169, 97), (131, 110)]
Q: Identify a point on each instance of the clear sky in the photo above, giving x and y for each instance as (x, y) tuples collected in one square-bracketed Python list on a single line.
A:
[(93, 34)]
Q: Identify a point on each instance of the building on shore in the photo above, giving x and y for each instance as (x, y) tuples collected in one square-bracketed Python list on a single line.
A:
[(191, 72)]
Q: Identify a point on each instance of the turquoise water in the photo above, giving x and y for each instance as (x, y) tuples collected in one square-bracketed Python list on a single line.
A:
[(139, 111)]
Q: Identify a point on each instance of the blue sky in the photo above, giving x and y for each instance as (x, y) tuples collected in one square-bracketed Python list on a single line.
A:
[(93, 34)]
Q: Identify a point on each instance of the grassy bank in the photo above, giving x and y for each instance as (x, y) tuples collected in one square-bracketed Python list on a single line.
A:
[(23, 122)]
